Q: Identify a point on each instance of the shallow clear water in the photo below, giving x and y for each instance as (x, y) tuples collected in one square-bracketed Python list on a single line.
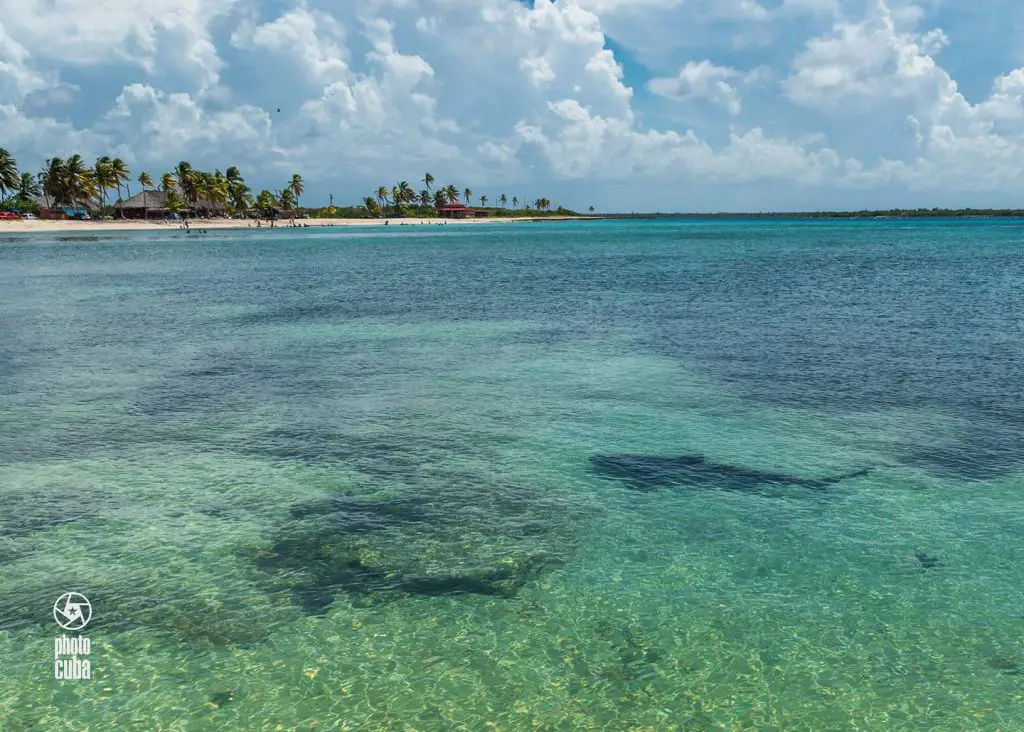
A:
[(343, 479)]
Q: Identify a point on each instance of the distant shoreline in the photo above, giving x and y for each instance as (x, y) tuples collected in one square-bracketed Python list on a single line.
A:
[(64, 226), (966, 213)]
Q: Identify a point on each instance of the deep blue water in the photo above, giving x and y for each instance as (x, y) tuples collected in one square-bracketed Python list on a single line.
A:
[(355, 476)]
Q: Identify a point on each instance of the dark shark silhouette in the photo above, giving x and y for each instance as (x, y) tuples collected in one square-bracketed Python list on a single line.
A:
[(647, 472)]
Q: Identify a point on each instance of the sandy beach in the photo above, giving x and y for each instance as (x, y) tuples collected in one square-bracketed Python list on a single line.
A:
[(84, 227)]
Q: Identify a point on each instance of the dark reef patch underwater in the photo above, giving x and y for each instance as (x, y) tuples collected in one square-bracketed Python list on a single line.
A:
[(460, 541), (647, 472)]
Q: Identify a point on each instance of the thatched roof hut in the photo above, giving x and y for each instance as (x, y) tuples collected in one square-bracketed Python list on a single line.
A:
[(153, 204), (147, 204)]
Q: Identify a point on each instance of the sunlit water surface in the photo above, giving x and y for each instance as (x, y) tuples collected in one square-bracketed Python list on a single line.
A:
[(333, 479)]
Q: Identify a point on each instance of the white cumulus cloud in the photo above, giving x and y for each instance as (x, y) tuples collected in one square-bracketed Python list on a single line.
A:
[(498, 93), (705, 80)]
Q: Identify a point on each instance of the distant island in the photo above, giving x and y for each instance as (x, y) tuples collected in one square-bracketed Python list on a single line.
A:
[(896, 213)]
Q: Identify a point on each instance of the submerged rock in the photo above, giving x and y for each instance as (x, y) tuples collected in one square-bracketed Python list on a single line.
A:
[(220, 698), (647, 472), (386, 550), (1011, 665)]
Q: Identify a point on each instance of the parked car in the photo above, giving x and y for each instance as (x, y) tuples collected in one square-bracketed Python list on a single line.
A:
[(29, 217), (8, 216)]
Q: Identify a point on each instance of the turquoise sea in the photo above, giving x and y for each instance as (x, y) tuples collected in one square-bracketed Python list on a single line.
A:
[(425, 478)]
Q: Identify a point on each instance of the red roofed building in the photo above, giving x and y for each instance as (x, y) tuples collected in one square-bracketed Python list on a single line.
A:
[(459, 211)]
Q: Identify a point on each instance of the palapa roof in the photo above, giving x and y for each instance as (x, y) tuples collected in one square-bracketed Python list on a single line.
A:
[(146, 199), (153, 199), (48, 203)]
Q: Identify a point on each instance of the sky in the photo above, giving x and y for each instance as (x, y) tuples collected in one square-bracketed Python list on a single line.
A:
[(624, 105)]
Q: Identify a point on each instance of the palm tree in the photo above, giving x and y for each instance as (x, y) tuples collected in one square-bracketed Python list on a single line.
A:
[(187, 182), (144, 182), (428, 180), (503, 200), (440, 198), (42, 176), (168, 186), (205, 189), (28, 188), (451, 194), (120, 176), (103, 172), (296, 187), (174, 204), (182, 170), (469, 196), (218, 192), (515, 202), (200, 184), (483, 201), (50, 179), (79, 181), (405, 194), (209, 182), (238, 192), (265, 203), (9, 178), (591, 209), (425, 197), (382, 197), (287, 199), (241, 197), (371, 206)]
